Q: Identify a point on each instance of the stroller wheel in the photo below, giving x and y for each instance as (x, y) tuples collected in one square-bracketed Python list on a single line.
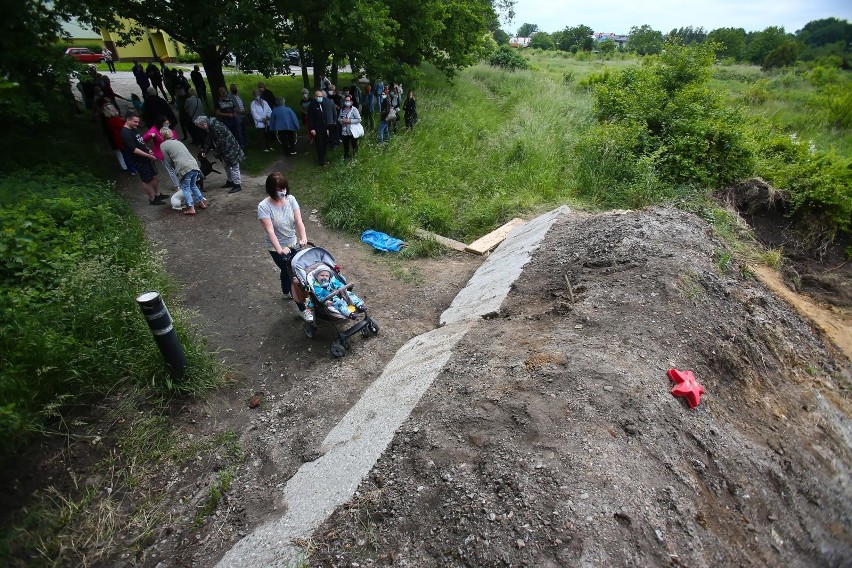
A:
[(373, 326), (310, 329), (337, 350)]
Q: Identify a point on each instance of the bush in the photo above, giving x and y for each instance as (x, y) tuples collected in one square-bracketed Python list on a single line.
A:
[(757, 93), (682, 132), (188, 57), (72, 259), (509, 59), (817, 185), (833, 106), (784, 55)]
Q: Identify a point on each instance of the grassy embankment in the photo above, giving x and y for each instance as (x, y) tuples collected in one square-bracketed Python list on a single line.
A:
[(81, 379)]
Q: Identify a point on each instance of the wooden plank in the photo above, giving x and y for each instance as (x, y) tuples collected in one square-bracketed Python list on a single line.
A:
[(494, 238), (449, 243)]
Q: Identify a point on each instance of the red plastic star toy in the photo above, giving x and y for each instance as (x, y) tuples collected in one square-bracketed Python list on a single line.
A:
[(687, 387)]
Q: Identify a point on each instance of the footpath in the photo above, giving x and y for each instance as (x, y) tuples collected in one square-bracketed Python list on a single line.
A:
[(354, 445)]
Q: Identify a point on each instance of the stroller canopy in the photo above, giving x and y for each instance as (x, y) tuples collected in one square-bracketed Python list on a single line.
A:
[(307, 260)]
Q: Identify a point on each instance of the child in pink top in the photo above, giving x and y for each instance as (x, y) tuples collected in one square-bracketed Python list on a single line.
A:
[(156, 139)]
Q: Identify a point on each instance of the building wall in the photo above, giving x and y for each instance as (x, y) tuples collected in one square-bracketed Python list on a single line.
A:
[(154, 45)]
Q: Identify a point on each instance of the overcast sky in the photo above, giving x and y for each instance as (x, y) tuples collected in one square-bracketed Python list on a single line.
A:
[(664, 15)]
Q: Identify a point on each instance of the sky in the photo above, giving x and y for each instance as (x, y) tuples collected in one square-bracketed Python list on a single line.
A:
[(618, 16)]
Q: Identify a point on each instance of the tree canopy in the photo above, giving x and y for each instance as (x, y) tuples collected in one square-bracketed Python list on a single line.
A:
[(527, 30), (645, 40)]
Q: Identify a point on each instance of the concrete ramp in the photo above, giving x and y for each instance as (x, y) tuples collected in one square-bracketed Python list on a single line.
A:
[(354, 445)]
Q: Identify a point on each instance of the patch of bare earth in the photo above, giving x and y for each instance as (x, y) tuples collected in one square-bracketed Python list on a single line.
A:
[(551, 438)]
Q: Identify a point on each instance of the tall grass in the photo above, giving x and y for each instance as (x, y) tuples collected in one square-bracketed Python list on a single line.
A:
[(488, 146)]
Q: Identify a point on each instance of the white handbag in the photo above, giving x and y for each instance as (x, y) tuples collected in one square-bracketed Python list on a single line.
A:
[(356, 130)]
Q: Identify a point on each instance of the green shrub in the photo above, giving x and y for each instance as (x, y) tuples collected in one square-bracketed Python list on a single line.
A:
[(72, 260), (682, 130), (188, 57), (757, 93), (833, 106), (818, 185), (784, 55), (821, 76), (508, 58)]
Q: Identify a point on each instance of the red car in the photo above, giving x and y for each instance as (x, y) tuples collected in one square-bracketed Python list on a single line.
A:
[(84, 55)]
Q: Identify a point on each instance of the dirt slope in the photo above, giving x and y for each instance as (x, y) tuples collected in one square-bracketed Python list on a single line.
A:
[(551, 438)]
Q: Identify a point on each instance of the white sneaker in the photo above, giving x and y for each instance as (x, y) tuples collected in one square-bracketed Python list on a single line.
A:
[(307, 315)]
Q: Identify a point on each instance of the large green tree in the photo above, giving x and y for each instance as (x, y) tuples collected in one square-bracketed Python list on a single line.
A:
[(732, 42), (577, 38), (541, 40), (760, 44), (819, 33), (687, 35), (527, 30), (30, 58), (645, 40), (253, 30)]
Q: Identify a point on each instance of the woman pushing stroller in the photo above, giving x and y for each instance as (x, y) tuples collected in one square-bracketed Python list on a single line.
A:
[(281, 219)]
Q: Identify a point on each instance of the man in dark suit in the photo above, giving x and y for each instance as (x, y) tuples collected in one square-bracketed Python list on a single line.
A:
[(319, 130)]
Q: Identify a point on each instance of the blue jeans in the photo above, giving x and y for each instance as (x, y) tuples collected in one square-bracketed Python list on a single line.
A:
[(384, 133), (189, 187)]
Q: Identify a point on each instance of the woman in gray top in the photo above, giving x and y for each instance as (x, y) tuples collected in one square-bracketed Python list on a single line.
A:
[(284, 231)]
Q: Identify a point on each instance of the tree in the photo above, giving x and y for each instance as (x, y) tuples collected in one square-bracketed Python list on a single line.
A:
[(578, 38), (688, 35), (541, 40), (732, 40), (761, 43), (784, 55), (247, 28), (527, 30), (645, 40), (819, 33), (30, 58), (608, 46)]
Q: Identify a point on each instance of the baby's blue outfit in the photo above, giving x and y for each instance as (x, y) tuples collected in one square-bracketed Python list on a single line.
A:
[(338, 303)]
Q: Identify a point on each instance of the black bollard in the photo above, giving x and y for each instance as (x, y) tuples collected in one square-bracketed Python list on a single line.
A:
[(162, 326)]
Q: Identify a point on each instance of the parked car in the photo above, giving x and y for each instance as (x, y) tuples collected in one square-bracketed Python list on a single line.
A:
[(291, 56), (84, 55)]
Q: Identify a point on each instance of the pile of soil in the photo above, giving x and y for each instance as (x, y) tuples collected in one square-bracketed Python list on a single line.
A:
[(551, 438)]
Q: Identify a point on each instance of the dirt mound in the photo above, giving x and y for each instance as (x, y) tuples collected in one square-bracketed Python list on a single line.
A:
[(551, 438)]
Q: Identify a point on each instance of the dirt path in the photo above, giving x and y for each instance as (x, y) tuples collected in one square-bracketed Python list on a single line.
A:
[(227, 276)]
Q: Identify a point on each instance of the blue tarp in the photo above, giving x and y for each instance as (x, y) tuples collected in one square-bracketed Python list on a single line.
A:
[(381, 241)]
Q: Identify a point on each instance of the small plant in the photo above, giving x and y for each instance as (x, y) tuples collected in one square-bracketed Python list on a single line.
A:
[(423, 248), (723, 260), (508, 58), (757, 93), (773, 258)]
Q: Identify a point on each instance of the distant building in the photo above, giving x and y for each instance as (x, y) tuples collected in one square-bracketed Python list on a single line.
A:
[(519, 42), (620, 40), (155, 45)]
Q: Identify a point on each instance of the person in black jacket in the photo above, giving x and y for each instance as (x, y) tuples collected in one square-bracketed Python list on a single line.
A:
[(199, 84), (157, 106), (410, 108), (319, 129)]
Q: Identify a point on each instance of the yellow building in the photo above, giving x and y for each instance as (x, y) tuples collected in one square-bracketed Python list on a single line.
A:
[(154, 44)]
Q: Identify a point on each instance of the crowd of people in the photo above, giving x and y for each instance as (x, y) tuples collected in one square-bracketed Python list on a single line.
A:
[(169, 100)]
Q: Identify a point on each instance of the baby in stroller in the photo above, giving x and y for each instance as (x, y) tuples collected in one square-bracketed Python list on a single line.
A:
[(345, 303)]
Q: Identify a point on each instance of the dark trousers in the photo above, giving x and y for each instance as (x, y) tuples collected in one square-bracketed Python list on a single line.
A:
[(111, 66), (333, 135), (287, 138), (347, 141), (321, 143), (282, 261)]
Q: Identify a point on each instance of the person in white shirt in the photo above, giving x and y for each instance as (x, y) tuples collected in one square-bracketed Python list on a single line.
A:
[(261, 113)]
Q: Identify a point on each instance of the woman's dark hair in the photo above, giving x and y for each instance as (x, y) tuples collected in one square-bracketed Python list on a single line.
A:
[(276, 182), (161, 120)]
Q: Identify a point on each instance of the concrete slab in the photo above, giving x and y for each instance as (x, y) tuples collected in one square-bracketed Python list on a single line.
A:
[(354, 445)]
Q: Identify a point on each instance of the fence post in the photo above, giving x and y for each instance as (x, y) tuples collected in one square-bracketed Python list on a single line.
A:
[(161, 325)]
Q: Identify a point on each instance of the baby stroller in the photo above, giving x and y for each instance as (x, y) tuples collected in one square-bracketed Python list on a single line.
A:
[(306, 264)]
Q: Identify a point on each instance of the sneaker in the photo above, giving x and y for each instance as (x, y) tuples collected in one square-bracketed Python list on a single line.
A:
[(307, 315), (155, 202), (163, 196), (235, 189), (288, 296), (229, 183)]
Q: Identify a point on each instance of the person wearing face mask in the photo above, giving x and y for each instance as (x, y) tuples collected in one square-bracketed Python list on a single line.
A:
[(336, 101), (384, 124), (284, 124), (317, 112), (156, 138), (304, 104), (284, 233), (349, 115), (261, 113), (266, 94), (226, 112)]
